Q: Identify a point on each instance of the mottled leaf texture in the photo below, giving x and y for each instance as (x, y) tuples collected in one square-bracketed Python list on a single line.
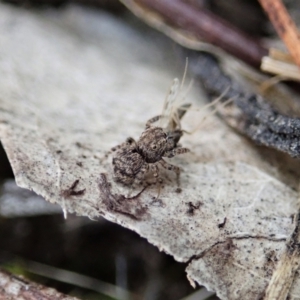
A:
[(75, 83)]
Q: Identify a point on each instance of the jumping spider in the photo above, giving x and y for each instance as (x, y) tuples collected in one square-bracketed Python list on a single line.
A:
[(134, 159)]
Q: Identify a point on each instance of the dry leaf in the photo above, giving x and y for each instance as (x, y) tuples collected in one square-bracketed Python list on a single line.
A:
[(75, 83)]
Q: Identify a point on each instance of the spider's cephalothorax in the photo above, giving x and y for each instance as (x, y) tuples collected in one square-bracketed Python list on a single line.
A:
[(155, 143)]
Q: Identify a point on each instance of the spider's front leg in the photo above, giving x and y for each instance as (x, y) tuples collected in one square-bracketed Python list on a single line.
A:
[(176, 151)]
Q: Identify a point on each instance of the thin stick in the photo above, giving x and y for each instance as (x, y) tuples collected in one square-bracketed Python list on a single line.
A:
[(284, 25), (207, 27)]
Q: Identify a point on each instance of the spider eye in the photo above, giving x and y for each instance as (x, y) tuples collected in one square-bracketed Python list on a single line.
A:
[(154, 147), (129, 141)]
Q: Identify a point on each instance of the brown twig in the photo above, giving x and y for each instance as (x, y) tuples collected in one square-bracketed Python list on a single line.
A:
[(207, 27), (250, 113), (284, 26)]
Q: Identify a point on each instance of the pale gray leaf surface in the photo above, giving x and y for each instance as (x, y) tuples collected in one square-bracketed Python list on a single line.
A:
[(76, 83)]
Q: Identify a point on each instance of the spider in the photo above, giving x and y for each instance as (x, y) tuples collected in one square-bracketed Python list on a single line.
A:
[(134, 159)]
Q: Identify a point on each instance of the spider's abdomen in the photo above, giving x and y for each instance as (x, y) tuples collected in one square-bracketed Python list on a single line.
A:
[(127, 164)]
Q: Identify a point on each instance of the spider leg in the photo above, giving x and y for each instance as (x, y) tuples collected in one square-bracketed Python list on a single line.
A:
[(152, 120), (173, 168), (108, 153), (129, 141), (155, 171), (176, 151)]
